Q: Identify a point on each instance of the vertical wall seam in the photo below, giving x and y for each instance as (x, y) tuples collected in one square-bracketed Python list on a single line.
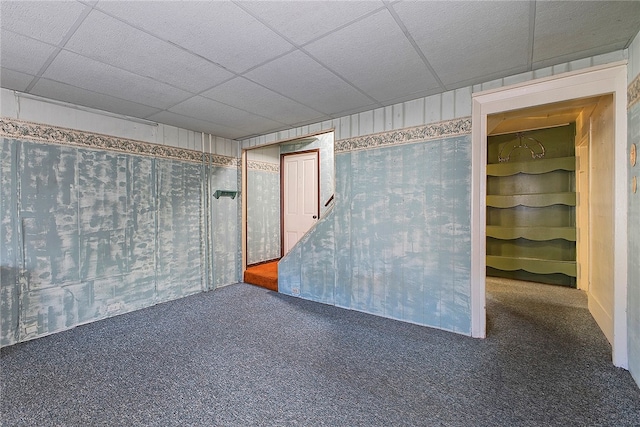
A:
[(17, 98), (155, 189), (209, 241), (76, 182), (204, 268), (204, 272), (18, 243), (454, 225), (440, 209)]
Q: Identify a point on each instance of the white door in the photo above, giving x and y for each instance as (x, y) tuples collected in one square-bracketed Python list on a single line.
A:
[(300, 196)]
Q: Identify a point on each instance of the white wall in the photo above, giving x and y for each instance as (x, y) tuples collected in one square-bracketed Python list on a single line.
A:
[(17, 105), (601, 216), (269, 154)]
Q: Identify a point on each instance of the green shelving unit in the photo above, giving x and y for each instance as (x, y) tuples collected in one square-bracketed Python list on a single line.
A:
[(540, 166), (532, 265), (532, 233), (531, 199)]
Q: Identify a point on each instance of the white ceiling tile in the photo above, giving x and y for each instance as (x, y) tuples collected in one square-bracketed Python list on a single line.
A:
[(14, 80), (102, 37), (20, 53), (466, 40), (375, 56), (63, 92), (566, 28), (197, 125), (304, 21), (47, 21), (325, 92), (219, 31), (215, 112), (86, 73), (249, 96)]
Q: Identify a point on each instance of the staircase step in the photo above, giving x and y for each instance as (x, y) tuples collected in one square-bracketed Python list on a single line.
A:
[(264, 275)]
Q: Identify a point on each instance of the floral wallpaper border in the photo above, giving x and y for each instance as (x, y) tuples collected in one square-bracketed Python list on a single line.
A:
[(19, 129), (263, 166), (442, 129), (633, 92)]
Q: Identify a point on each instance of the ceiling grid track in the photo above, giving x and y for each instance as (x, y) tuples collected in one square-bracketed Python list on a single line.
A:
[(60, 46)]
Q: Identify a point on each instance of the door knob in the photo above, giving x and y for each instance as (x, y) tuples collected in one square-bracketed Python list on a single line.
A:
[(314, 217)]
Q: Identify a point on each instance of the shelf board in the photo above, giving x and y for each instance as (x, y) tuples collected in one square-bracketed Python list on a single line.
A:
[(532, 265), (532, 233), (533, 167), (531, 200)]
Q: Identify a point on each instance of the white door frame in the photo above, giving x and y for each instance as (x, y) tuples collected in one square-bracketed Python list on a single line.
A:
[(595, 81)]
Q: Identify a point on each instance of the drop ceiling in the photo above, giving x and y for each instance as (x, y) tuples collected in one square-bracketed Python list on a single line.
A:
[(237, 69)]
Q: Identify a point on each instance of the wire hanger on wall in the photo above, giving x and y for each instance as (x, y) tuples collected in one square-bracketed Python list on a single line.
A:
[(522, 144)]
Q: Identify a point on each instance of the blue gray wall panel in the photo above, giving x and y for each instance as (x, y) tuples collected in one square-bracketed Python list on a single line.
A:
[(225, 234), (179, 264), (9, 252), (633, 275), (263, 215), (398, 239), (309, 269), (88, 234)]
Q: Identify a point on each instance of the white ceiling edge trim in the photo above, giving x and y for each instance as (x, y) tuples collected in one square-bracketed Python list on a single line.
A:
[(594, 81)]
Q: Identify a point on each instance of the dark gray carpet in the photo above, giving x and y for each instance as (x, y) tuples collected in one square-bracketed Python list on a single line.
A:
[(244, 355)]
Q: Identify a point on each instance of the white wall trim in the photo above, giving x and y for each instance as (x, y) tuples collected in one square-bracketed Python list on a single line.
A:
[(601, 317), (595, 81)]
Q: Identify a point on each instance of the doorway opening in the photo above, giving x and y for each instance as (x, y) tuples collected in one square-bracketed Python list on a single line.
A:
[(531, 205), (273, 178), (593, 99)]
